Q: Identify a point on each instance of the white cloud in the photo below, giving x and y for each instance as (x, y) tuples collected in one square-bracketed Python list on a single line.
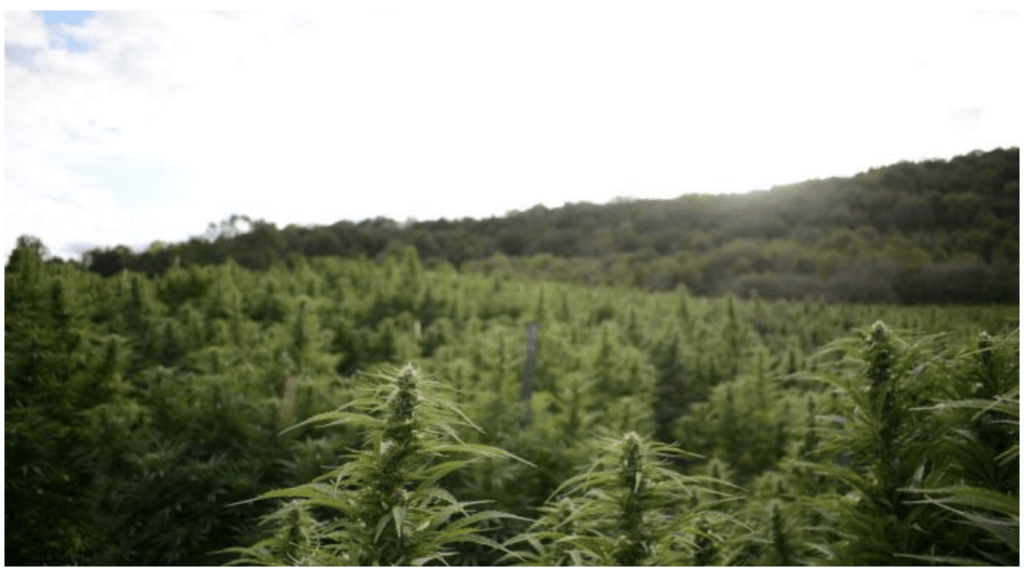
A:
[(25, 29), (175, 119)]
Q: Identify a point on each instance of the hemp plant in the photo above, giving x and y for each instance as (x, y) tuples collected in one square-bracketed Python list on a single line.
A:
[(974, 509), (905, 451), (384, 505), (876, 449), (628, 509)]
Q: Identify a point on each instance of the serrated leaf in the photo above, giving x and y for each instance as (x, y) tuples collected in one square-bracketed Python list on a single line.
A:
[(316, 494), (482, 449), (399, 513), (438, 471), (971, 496), (382, 524), (438, 493), (339, 417)]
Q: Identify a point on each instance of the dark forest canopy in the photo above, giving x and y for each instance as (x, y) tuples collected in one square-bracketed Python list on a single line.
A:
[(937, 231)]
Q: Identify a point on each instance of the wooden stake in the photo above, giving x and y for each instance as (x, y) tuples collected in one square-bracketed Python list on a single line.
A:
[(529, 366)]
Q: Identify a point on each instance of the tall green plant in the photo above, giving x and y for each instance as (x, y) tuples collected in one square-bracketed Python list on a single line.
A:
[(628, 509), (920, 473), (385, 505), (877, 449), (975, 507)]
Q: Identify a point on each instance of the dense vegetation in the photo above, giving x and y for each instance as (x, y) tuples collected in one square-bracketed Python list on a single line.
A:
[(214, 413), (930, 232)]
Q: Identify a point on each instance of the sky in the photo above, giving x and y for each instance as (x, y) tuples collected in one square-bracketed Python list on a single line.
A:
[(132, 127)]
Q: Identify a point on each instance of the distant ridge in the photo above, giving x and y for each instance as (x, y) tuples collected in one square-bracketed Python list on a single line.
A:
[(936, 231)]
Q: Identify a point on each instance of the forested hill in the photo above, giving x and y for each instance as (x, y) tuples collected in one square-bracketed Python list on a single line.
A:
[(931, 232)]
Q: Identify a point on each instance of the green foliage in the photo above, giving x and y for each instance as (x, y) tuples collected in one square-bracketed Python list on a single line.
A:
[(57, 371), (931, 232), (142, 412), (385, 504), (625, 510), (921, 479)]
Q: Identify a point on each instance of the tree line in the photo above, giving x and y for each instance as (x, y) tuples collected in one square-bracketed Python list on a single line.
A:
[(938, 231)]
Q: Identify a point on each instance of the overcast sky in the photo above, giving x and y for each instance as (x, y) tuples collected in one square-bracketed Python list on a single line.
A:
[(130, 127)]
